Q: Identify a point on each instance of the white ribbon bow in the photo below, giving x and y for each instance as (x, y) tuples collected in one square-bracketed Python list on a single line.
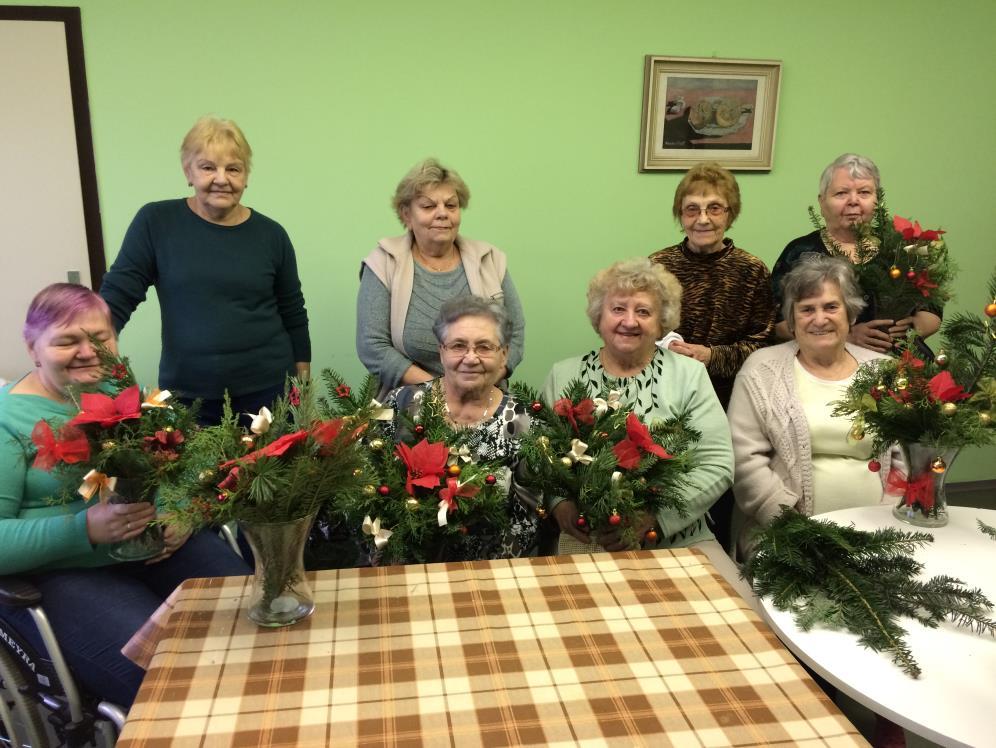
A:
[(380, 413), (261, 421), (616, 477), (456, 455), (380, 534), (157, 399), (612, 401), (577, 453)]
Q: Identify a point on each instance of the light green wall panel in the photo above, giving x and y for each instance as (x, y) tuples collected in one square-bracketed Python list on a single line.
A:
[(537, 104)]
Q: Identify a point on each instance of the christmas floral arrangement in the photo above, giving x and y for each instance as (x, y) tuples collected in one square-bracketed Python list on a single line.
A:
[(843, 578), (287, 464), (424, 495), (943, 405), (904, 267), (121, 445), (597, 452)]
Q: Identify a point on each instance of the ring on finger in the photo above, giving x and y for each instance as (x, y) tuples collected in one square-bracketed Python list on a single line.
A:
[(128, 526)]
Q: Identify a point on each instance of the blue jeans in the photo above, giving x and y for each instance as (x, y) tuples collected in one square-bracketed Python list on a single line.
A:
[(94, 612)]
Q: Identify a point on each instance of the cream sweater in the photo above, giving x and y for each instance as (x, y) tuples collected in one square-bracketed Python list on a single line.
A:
[(771, 446)]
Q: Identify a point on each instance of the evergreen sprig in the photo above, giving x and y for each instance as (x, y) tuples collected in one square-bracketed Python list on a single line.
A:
[(987, 529), (605, 494), (843, 578)]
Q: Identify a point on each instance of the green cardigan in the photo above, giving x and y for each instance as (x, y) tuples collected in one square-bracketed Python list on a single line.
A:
[(678, 384)]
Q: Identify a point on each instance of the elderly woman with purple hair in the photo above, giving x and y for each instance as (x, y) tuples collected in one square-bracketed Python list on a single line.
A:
[(94, 603)]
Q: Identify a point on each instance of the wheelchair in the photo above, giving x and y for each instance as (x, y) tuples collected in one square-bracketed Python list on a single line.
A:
[(40, 702)]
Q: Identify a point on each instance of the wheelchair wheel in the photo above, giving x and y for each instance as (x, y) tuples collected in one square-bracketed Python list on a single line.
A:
[(20, 721)]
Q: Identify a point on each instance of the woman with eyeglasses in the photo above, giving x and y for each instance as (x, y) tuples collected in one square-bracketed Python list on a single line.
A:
[(727, 307), (473, 337)]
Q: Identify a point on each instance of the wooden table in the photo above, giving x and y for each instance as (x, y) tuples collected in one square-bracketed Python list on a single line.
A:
[(953, 702), (642, 648)]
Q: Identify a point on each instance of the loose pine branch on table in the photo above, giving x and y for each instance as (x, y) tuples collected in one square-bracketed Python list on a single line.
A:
[(987, 529), (844, 578)]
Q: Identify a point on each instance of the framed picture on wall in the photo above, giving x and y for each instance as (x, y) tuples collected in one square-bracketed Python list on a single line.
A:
[(708, 109)]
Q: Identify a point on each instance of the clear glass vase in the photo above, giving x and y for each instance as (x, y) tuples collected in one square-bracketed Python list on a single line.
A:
[(924, 502), (150, 543), (281, 594)]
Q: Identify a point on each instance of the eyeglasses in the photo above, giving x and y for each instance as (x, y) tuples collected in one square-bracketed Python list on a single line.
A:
[(714, 210), (481, 350)]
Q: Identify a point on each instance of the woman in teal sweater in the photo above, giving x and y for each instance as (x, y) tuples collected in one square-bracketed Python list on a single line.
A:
[(94, 603)]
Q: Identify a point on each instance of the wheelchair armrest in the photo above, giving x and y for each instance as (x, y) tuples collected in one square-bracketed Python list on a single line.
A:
[(16, 592)]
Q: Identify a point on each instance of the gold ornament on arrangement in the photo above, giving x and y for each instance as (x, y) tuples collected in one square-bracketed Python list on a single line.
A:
[(938, 465), (902, 383), (949, 409), (941, 359), (376, 444), (984, 418)]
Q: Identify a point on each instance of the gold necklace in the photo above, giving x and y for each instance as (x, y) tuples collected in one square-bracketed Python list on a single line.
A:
[(424, 259), (449, 415)]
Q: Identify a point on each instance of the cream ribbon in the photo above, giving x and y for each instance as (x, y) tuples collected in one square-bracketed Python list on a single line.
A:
[(157, 399), (380, 413), (577, 453), (380, 534), (456, 455), (94, 482), (616, 477), (261, 421), (444, 507), (611, 402)]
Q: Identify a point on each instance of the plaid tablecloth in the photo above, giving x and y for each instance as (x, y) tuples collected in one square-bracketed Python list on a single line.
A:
[(643, 648)]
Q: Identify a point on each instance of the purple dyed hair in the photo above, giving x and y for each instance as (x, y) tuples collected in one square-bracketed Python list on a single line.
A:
[(57, 304)]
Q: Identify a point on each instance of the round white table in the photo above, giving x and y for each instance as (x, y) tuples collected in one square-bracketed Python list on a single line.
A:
[(953, 702)]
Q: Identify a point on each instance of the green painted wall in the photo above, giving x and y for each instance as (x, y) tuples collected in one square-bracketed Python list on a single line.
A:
[(537, 104)]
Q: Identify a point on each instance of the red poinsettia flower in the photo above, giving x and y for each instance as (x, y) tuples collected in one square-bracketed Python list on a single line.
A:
[(923, 283), (582, 412), (342, 390), (274, 449), (325, 432), (294, 396), (426, 463), (911, 231), (164, 440), (106, 410), (944, 389), (912, 361), (638, 439), (71, 446)]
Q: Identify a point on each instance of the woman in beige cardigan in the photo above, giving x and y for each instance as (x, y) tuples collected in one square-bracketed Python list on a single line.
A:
[(788, 449)]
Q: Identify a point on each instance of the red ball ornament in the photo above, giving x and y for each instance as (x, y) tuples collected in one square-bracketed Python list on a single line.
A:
[(384, 490), (490, 479), (991, 309), (582, 522), (895, 273), (651, 536), (222, 497), (614, 519), (874, 465), (453, 470), (911, 274), (536, 406), (419, 429)]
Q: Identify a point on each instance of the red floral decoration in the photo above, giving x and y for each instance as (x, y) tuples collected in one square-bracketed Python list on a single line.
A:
[(70, 447), (426, 463), (583, 412), (106, 410)]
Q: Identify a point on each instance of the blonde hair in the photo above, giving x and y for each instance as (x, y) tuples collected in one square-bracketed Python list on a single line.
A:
[(635, 276), (210, 130), (705, 175)]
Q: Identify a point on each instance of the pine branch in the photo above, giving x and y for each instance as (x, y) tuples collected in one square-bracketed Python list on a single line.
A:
[(987, 529), (843, 578)]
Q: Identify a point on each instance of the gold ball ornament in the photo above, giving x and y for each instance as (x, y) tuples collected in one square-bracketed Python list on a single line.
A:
[(357, 472), (895, 273), (205, 475), (984, 418), (544, 442), (541, 512), (857, 433), (949, 409), (109, 444), (369, 490), (412, 503), (453, 470), (991, 309), (376, 444), (941, 359), (566, 461), (902, 383), (880, 387), (247, 441), (938, 466), (168, 429)]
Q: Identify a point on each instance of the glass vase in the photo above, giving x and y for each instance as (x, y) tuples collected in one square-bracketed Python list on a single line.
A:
[(280, 591), (923, 502), (150, 543)]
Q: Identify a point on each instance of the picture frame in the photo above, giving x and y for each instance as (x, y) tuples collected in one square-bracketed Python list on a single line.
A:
[(708, 109)]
